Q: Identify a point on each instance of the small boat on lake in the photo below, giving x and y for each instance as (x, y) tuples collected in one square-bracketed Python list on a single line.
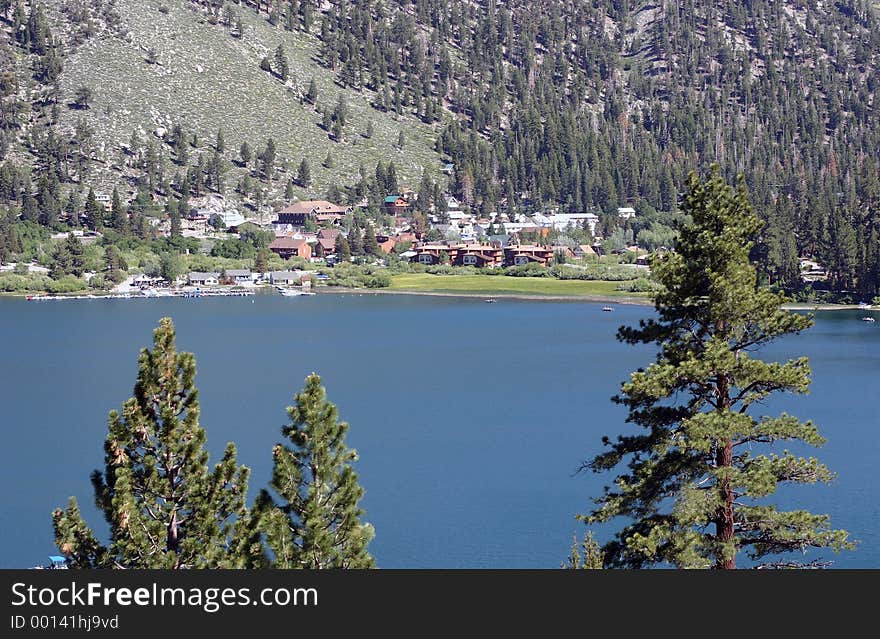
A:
[(491, 300), (607, 309), (867, 319)]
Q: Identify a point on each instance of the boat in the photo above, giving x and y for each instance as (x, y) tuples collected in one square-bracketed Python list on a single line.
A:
[(491, 300), (867, 319), (292, 292), (607, 309)]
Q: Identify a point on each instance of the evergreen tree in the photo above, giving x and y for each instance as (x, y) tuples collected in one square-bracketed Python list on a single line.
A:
[(118, 214), (72, 208), (30, 209), (94, 211), (694, 485), (304, 174), (245, 153), (281, 63), (220, 143), (261, 261), (342, 248), (165, 507), (355, 241), (312, 92), (288, 191), (68, 258), (401, 141), (172, 210), (267, 159), (317, 525), (371, 246)]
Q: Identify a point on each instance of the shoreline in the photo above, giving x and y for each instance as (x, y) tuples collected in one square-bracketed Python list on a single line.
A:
[(340, 290), (550, 297)]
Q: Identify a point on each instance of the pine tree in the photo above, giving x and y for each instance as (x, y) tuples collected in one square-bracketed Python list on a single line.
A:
[(220, 143), (342, 248), (118, 214), (318, 524), (172, 209), (304, 174), (371, 246), (94, 211), (355, 242), (261, 261), (281, 63), (245, 153), (401, 141), (312, 93), (165, 507), (694, 483)]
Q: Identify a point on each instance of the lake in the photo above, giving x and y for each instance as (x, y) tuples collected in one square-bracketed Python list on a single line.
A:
[(471, 419)]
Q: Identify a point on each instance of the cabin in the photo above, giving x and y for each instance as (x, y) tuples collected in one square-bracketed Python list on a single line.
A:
[(324, 246), (315, 210), (239, 275), (286, 277), (288, 247), (527, 254), (396, 204), (583, 250), (197, 278)]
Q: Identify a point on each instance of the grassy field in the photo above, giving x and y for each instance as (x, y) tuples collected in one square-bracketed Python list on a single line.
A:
[(206, 79), (501, 285)]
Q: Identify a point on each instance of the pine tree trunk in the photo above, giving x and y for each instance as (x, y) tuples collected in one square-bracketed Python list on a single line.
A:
[(724, 459), (724, 522)]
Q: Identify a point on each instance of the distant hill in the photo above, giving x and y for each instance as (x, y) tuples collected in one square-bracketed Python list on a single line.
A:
[(207, 79)]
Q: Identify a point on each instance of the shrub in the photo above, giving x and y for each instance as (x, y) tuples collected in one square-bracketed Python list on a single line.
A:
[(527, 270), (640, 285)]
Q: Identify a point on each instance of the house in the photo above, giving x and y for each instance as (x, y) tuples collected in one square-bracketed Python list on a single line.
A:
[(145, 281), (395, 204), (328, 234), (286, 277), (386, 243), (229, 218), (240, 275), (561, 249), (104, 200), (288, 247), (527, 254), (432, 253), (626, 213), (482, 255), (196, 278), (583, 250), (325, 246), (297, 214)]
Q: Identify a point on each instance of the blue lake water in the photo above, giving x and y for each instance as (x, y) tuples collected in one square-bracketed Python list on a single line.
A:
[(471, 419)]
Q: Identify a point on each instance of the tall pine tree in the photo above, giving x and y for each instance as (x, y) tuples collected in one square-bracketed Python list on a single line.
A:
[(694, 486), (318, 524), (165, 507)]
